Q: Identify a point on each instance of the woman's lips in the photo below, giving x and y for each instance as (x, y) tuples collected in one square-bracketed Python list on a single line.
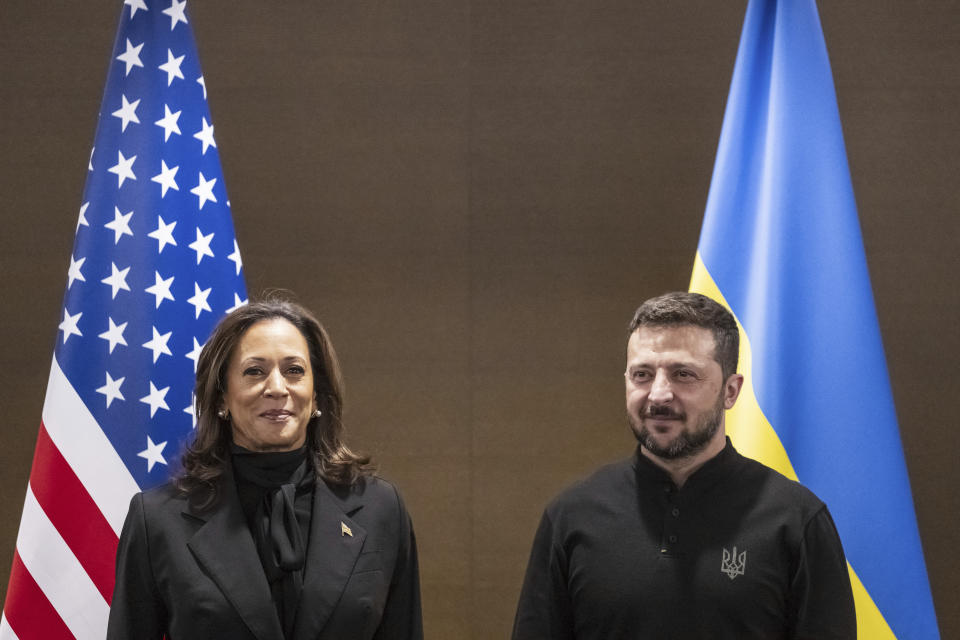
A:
[(278, 415)]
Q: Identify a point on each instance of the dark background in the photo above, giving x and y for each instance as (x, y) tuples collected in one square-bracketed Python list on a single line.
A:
[(474, 196)]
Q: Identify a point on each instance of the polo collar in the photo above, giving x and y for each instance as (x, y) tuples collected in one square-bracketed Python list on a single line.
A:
[(711, 473)]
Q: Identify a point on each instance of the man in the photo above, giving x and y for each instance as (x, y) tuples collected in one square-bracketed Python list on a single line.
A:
[(687, 539)]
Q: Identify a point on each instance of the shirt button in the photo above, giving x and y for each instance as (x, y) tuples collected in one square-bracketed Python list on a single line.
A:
[(672, 538), (666, 488), (675, 512)]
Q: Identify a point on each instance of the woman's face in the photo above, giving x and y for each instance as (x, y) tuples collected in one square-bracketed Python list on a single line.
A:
[(270, 396)]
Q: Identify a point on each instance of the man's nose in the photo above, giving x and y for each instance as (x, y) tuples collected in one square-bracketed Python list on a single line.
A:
[(661, 391)]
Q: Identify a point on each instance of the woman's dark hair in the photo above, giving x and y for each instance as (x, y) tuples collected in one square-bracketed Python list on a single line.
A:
[(209, 452)]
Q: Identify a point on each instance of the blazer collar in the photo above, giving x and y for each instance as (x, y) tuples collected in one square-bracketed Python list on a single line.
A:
[(332, 551), (224, 547)]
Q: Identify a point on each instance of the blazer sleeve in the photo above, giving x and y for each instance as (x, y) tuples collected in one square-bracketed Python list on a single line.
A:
[(136, 611), (402, 619)]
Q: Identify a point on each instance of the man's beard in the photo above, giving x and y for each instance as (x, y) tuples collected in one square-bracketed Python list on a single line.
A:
[(688, 442)]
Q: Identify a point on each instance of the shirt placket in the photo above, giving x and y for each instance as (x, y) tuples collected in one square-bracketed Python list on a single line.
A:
[(670, 533)]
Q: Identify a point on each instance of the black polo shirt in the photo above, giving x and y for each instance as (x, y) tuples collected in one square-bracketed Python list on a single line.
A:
[(739, 552)]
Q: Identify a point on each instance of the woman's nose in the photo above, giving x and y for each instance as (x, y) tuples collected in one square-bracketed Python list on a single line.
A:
[(275, 384)]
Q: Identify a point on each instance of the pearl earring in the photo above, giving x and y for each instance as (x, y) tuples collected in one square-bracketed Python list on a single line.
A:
[(222, 414), (317, 413)]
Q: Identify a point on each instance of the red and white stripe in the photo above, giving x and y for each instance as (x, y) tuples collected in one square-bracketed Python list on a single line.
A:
[(62, 577)]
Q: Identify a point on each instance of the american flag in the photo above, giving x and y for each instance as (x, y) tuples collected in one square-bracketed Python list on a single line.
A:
[(155, 265)]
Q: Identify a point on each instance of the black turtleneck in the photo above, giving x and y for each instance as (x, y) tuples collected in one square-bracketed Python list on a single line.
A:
[(276, 495)]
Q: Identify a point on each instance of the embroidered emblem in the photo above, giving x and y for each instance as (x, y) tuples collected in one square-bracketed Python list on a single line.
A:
[(345, 530), (733, 565)]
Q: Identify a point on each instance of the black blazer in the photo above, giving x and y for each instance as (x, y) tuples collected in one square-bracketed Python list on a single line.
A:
[(185, 574)]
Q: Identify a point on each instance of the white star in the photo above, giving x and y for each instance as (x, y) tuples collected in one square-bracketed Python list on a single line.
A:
[(189, 409), (235, 257), (193, 355), (163, 234), (175, 11), (204, 190), (158, 344), (123, 169), (237, 303), (134, 5), (166, 178), (169, 123), (199, 299), (153, 454), (74, 272), (69, 325), (114, 335), (172, 67), (112, 389), (204, 85), (202, 245), (127, 113), (82, 218), (131, 57), (161, 290), (205, 135), (117, 279), (120, 225), (90, 161), (156, 399)]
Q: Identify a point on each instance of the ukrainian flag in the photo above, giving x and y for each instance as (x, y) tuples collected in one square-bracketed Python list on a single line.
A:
[(781, 248)]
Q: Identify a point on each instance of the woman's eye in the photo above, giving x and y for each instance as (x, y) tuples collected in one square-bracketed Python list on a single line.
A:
[(297, 370), (252, 371)]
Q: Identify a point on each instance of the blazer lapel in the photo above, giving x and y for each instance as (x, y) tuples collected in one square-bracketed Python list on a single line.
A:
[(224, 548), (332, 550)]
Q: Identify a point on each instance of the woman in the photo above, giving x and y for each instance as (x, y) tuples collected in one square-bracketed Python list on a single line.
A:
[(274, 530)]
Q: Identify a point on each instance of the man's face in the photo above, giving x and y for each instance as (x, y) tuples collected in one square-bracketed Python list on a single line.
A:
[(675, 390)]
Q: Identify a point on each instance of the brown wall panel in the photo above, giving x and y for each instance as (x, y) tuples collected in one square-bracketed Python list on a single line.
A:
[(474, 196)]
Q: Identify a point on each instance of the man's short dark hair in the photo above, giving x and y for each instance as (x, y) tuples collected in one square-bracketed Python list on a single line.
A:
[(680, 308)]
